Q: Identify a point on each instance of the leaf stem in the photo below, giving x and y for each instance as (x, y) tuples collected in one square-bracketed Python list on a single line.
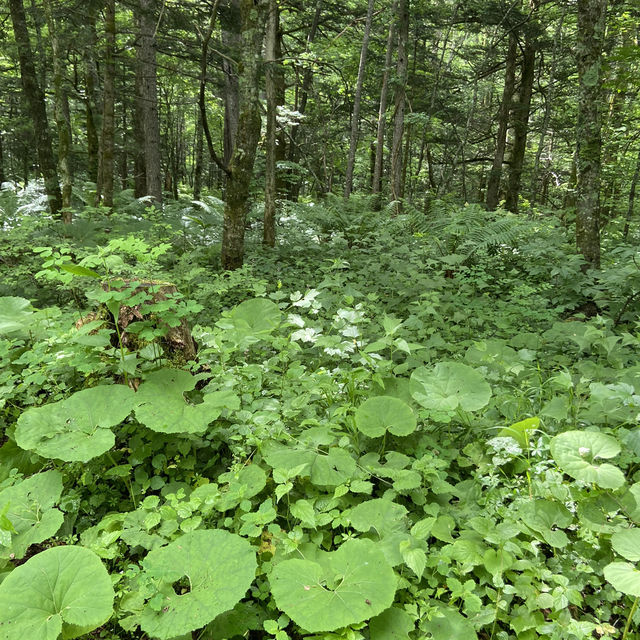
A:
[(633, 610)]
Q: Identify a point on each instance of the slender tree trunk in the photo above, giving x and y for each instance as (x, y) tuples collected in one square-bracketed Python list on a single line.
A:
[(397, 170), (91, 108), (107, 142), (3, 177), (632, 198), (252, 21), (355, 116), (146, 61), (301, 106), (269, 223), (521, 111), (493, 186), (61, 113), (37, 110), (592, 15), (232, 41), (382, 109), (198, 160)]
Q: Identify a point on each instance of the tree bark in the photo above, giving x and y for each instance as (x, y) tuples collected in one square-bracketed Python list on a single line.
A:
[(355, 116), (252, 25), (199, 159), (61, 114), (521, 112), (91, 103), (397, 169), (269, 221), (233, 41), (107, 142), (493, 186), (34, 97), (632, 198), (382, 109), (592, 15), (148, 97)]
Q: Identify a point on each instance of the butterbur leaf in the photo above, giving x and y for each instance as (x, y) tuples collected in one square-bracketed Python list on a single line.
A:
[(217, 566), (624, 577), (449, 385), (78, 428), (578, 453), (380, 414), (447, 623), (63, 590), (250, 321), (627, 544), (392, 624), (28, 508), (384, 516), (343, 587), (14, 314), (161, 405)]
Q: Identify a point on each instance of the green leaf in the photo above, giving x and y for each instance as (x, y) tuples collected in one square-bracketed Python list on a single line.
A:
[(63, 590), (446, 624), (627, 544), (219, 568), (78, 270), (161, 405), (14, 314), (392, 624), (545, 517), (578, 453), (384, 516), (250, 321), (344, 587), (624, 577), (29, 508), (378, 415), (76, 429), (450, 385), (520, 431)]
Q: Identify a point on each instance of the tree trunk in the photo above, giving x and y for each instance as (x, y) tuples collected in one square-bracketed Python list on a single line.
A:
[(397, 170), (301, 107), (251, 15), (3, 177), (61, 113), (198, 160), (37, 110), (269, 222), (521, 111), (355, 117), (232, 41), (632, 198), (146, 62), (493, 186), (107, 143), (382, 109), (592, 15), (91, 108)]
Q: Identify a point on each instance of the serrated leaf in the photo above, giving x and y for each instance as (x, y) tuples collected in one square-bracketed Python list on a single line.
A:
[(624, 577), (380, 414), (15, 314), (627, 544)]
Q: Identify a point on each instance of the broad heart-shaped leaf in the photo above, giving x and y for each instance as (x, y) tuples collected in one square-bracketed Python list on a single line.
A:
[(14, 314), (380, 414), (250, 321), (578, 453), (543, 516), (343, 587), (626, 543), (384, 516), (449, 385), (31, 512), (448, 624), (624, 577), (161, 405), (392, 624), (61, 590), (219, 567), (76, 429)]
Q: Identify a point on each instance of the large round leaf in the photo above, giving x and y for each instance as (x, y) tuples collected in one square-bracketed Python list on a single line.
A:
[(61, 590), (162, 407), (344, 587), (250, 321), (14, 314), (28, 508), (624, 577), (578, 453), (378, 415), (217, 567), (449, 385), (627, 544), (78, 428)]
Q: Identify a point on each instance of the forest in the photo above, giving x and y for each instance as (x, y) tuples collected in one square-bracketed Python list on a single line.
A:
[(319, 319)]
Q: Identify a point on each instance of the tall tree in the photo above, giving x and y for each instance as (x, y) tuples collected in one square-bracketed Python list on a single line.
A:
[(592, 16), (34, 97), (148, 97), (252, 15), (355, 115), (402, 66), (493, 185)]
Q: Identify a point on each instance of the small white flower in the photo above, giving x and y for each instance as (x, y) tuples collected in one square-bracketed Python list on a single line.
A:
[(583, 451)]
